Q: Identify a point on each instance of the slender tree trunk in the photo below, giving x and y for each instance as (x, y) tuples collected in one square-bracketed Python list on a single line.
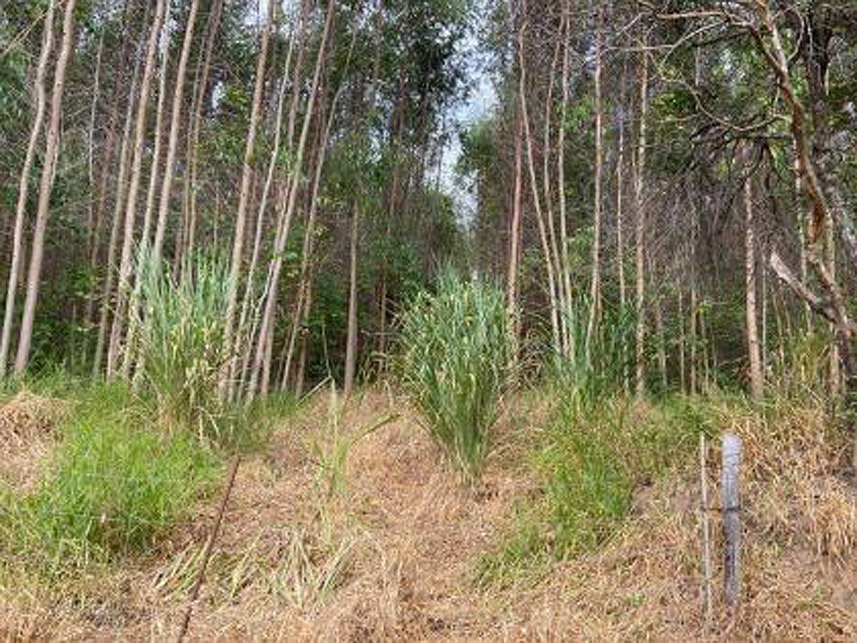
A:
[(513, 312), (45, 189), (24, 186), (118, 208), (151, 193), (682, 342), (543, 234), (244, 194), (90, 165), (753, 350), (620, 221), (351, 339), (640, 373), (283, 231), (247, 334), (175, 126), (595, 285), (550, 223), (835, 357), (123, 284), (565, 261), (190, 185)]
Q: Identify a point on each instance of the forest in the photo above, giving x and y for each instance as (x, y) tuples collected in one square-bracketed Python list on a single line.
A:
[(428, 319)]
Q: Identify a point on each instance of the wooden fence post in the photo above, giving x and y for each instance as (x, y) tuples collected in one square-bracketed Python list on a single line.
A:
[(731, 518)]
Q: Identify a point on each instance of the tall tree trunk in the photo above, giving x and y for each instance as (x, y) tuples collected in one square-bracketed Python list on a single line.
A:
[(24, 186), (351, 338), (245, 331), (564, 259), (244, 194), (835, 357), (285, 224), (513, 311), (123, 283), (595, 285), (640, 371), (118, 208), (94, 240), (543, 233), (175, 126), (190, 184), (45, 188), (753, 350), (151, 192)]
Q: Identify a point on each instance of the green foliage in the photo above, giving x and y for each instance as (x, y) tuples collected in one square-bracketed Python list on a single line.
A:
[(598, 360), (590, 463), (456, 351), (113, 487), (183, 335)]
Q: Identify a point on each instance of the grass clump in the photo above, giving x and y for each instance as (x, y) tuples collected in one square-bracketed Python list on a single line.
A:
[(589, 463), (456, 354), (184, 348), (113, 486), (597, 362)]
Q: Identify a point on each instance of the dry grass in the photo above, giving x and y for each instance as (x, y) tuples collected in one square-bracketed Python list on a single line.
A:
[(27, 434), (391, 553)]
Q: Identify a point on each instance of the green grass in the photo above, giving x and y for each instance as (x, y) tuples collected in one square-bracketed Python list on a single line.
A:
[(598, 361), (455, 363), (184, 349), (590, 463), (112, 488)]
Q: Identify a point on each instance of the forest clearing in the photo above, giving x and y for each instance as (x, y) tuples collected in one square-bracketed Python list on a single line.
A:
[(370, 320)]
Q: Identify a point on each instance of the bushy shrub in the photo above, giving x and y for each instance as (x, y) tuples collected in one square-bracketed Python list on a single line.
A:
[(455, 363)]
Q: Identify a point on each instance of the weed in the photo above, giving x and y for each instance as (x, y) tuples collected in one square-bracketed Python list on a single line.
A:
[(184, 348), (456, 351), (113, 486), (590, 461), (597, 362)]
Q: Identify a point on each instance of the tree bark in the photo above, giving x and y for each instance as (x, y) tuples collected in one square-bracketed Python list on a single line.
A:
[(45, 189), (121, 180), (595, 285), (640, 371), (753, 349), (123, 283), (351, 338), (175, 126), (190, 186), (24, 185), (275, 268), (244, 194)]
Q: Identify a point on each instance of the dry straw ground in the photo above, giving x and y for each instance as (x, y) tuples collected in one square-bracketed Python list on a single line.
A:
[(27, 425), (388, 551)]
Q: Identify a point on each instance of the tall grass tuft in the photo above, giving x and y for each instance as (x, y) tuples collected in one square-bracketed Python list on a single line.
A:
[(183, 337), (456, 351), (598, 362)]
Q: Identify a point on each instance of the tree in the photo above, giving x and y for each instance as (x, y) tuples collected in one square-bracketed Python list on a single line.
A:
[(45, 187)]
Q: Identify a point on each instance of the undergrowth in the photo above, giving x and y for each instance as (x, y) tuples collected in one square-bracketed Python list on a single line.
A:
[(113, 487), (589, 461)]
